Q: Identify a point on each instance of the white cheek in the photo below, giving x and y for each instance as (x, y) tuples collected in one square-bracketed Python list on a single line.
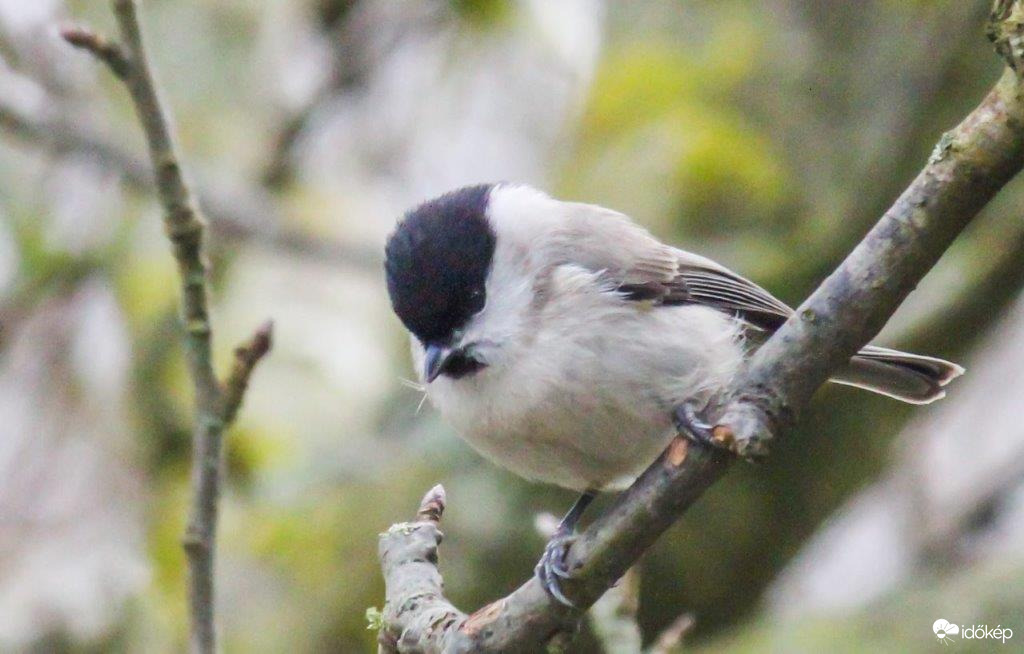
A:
[(502, 322)]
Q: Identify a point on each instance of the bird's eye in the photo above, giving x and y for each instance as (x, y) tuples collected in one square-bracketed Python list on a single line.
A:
[(462, 363), (476, 299)]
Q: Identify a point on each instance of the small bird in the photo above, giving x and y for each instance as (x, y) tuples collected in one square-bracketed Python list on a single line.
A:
[(567, 344)]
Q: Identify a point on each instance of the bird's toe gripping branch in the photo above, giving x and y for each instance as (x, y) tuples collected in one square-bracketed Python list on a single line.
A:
[(552, 567), (722, 434)]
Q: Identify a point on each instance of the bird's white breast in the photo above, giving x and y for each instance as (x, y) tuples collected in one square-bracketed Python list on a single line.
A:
[(582, 397)]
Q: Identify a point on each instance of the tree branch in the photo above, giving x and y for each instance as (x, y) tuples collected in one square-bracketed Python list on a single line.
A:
[(416, 614), (969, 166), (215, 406)]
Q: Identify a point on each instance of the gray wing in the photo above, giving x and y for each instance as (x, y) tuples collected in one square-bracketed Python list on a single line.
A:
[(644, 269), (702, 281), (699, 280)]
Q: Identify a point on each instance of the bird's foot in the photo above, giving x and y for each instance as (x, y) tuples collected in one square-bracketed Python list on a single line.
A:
[(552, 567), (721, 437), (689, 423)]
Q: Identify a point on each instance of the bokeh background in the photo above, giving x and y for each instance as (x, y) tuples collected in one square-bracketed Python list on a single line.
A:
[(769, 135)]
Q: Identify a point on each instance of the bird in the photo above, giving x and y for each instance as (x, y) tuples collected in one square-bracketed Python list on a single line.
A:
[(567, 344)]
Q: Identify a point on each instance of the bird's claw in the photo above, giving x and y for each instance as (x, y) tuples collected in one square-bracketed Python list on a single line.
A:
[(689, 423), (552, 566)]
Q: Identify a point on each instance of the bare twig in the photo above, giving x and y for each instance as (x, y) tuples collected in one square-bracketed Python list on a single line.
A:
[(107, 51), (671, 638), (247, 356), (353, 30), (332, 19), (215, 406), (970, 164)]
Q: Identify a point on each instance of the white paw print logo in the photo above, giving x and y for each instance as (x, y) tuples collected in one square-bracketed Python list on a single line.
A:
[(945, 630)]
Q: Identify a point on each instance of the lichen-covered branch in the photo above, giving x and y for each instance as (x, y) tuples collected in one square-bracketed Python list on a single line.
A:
[(215, 405), (969, 166), (417, 617)]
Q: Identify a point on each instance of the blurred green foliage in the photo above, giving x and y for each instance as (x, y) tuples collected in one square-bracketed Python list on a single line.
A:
[(481, 13), (990, 596), (654, 98), (762, 134)]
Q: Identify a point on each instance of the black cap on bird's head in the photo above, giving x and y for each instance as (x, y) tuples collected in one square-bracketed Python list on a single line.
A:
[(436, 262)]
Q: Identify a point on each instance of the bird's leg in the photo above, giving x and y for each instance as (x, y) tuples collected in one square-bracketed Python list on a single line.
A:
[(551, 566)]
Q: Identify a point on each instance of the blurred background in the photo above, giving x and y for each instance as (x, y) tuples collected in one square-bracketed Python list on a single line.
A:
[(769, 135)]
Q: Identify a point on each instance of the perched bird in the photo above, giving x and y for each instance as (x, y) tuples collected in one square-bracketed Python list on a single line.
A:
[(567, 344)]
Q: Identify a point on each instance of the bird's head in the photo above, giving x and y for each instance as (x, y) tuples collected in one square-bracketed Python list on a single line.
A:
[(437, 262)]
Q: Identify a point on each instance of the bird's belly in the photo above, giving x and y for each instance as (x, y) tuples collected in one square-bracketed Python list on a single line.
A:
[(577, 444), (589, 405)]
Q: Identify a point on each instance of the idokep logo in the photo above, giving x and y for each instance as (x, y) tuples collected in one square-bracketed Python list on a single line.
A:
[(947, 632)]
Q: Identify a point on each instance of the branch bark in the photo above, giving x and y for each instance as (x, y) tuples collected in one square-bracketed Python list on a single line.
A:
[(415, 593), (968, 167), (215, 405)]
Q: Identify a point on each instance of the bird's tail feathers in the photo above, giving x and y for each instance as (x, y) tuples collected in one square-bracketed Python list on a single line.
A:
[(903, 376)]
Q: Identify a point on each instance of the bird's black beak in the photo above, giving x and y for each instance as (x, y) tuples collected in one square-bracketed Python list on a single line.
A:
[(436, 356)]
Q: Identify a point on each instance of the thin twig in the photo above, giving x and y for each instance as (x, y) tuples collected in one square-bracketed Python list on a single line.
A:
[(247, 356), (352, 30), (672, 637), (184, 224), (107, 51), (969, 166)]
